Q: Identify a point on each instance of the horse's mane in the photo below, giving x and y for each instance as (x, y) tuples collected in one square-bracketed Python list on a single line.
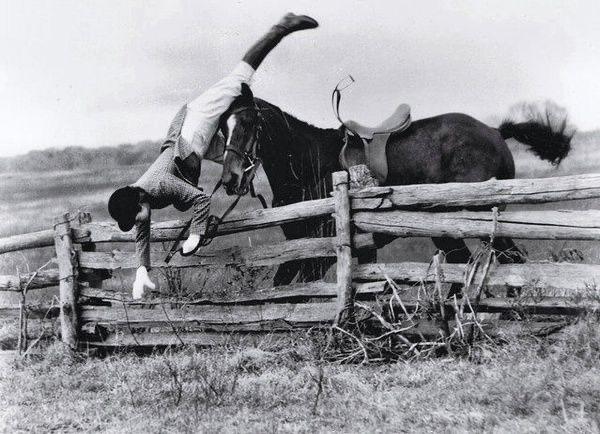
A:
[(300, 131), (302, 156)]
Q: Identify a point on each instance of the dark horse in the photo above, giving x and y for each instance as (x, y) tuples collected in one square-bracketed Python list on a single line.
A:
[(299, 159)]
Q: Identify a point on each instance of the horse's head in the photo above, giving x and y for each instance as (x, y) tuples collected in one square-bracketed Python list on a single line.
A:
[(240, 126)]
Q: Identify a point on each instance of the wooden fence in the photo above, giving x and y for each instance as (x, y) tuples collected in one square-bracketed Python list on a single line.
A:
[(93, 316)]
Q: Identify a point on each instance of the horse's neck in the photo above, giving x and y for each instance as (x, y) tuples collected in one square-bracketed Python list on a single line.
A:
[(298, 158)]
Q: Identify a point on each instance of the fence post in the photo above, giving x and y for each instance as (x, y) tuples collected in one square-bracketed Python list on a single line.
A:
[(94, 278), (67, 272), (345, 294)]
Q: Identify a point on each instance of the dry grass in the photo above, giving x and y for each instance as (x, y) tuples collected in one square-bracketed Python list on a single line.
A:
[(284, 386)]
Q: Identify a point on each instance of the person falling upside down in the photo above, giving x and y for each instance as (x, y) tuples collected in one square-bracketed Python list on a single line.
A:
[(173, 177)]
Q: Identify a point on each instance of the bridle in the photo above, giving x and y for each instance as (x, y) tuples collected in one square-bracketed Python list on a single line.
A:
[(249, 156), (254, 162)]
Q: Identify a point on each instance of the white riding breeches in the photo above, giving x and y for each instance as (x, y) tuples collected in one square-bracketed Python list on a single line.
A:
[(204, 112)]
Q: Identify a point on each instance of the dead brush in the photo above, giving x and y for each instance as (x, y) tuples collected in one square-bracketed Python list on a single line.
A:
[(429, 324)]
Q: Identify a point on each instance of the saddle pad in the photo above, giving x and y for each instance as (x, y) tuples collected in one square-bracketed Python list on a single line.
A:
[(371, 153)]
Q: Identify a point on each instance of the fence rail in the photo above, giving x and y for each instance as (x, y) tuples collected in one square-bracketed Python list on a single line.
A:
[(92, 315), (477, 194), (549, 275)]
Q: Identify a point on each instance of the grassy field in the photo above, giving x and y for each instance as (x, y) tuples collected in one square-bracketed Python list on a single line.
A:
[(284, 386), (526, 385)]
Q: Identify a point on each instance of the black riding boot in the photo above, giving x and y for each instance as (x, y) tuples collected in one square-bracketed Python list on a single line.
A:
[(289, 23)]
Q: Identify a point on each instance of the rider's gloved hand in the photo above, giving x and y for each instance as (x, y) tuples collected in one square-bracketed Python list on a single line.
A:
[(190, 245), (142, 281)]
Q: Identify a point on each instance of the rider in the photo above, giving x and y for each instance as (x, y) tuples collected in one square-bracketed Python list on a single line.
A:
[(172, 178)]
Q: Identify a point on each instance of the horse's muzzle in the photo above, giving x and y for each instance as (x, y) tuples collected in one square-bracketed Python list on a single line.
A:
[(232, 184)]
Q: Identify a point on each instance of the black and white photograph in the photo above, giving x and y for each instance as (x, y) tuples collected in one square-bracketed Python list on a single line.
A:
[(261, 216)]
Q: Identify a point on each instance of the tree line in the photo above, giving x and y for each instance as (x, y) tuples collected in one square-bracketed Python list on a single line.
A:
[(78, 157)]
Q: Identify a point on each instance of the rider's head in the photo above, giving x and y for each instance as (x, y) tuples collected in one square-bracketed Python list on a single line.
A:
[(124, 205)]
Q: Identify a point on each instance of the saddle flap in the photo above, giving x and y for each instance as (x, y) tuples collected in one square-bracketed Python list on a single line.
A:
[(371, 153)]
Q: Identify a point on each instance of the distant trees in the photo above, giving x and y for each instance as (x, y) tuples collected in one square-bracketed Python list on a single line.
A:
[(77, 157)]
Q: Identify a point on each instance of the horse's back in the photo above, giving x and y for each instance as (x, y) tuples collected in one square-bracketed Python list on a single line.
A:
[(452, 147)]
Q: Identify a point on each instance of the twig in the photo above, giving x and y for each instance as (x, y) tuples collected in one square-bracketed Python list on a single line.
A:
[(175, 375), (22, 341), (172, 325), (381, 319), (360, 344), (22, 314), (393, 332), (319, 381), (438, 283), (42, 332), (458, 316), (398, 299), (484, 274), (127, 316)]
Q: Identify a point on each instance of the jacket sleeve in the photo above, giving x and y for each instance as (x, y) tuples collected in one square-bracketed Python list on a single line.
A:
[(142, 242)]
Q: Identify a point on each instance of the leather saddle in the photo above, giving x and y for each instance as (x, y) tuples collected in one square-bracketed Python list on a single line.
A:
[(371, 148)]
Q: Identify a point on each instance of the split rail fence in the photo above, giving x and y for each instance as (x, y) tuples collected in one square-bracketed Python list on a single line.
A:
[(93, 316)]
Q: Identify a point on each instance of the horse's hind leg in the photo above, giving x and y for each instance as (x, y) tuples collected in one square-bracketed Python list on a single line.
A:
[(456, 252)]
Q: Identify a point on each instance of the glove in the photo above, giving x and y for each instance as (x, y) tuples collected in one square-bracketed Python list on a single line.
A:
[(190, 245), (142, 281)]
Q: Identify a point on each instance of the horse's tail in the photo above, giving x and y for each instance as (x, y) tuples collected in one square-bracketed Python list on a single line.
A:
[(545, 132)]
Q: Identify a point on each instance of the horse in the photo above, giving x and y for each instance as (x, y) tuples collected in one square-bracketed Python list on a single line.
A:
[(299, 158)]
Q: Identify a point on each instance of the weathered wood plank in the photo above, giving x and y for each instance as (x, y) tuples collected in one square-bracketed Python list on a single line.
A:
[(542, 275), (539, 305), (156, 339), (33, 311), (245, 221), (262, 255), (488, 193), (422, 329), (32, 240), (296, 314), (343, 248), (547, 225), (258, 255), (530, 305), (41, 279), (68, 286), (278, 294)]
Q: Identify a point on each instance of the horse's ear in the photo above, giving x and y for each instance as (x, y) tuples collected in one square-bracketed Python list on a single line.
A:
[(246, 92)]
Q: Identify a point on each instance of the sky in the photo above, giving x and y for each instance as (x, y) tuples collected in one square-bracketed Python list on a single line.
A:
[(97, 73)]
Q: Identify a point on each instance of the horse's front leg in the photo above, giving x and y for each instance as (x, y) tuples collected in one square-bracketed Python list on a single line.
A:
[(286, 273)]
